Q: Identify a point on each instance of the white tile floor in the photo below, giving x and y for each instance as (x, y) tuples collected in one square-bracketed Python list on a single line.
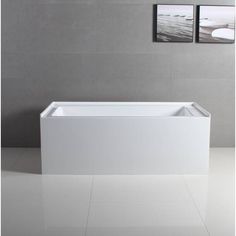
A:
[(37, 205)]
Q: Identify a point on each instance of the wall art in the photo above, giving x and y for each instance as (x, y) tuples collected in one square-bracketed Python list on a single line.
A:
[(174, 23), (215, 24)]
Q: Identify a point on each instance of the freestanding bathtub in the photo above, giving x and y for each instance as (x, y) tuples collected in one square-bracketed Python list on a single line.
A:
[(124, 138)]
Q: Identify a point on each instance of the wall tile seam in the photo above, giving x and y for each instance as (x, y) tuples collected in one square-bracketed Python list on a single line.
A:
[(108, 3), (152, 51), (89, 2), (82, 53)]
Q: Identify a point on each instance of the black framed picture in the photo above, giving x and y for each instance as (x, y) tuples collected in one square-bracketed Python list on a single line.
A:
[(174, 23), (215, 24)]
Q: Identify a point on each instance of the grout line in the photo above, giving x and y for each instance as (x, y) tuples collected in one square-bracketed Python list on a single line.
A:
[(90, 200), (195, 205)]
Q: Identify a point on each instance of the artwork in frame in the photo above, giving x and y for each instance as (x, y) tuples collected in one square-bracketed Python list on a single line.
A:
[(215, 24), (174, 23)]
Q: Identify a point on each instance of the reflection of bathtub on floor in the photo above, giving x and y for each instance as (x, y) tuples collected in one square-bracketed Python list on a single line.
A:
[(124, 138)]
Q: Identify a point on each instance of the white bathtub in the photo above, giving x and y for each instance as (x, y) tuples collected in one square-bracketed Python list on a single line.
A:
[(124, 138)]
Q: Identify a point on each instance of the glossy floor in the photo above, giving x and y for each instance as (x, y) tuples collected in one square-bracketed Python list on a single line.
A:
[(164, 205)]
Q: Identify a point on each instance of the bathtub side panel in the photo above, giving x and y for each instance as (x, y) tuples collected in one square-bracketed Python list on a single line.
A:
[(125, 145)]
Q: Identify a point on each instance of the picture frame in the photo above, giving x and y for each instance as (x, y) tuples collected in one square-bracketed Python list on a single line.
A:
[(174, 22), (215, 24)]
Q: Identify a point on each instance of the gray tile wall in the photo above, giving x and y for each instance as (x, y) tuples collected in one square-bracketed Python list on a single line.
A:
[(102, 50)]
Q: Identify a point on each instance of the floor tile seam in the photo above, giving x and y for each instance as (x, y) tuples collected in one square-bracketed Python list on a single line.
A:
[(195, 205), (90, 203)]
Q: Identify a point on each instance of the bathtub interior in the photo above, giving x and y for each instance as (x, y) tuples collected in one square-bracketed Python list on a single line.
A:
[(127, 110)]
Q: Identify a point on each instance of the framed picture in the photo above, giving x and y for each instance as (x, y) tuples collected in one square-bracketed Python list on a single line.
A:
[(174, 23), (215, 24)]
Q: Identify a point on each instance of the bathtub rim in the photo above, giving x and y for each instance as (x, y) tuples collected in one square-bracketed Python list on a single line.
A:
[(46, 113)]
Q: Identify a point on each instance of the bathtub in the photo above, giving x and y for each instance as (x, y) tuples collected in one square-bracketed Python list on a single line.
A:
[(124, 138)]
